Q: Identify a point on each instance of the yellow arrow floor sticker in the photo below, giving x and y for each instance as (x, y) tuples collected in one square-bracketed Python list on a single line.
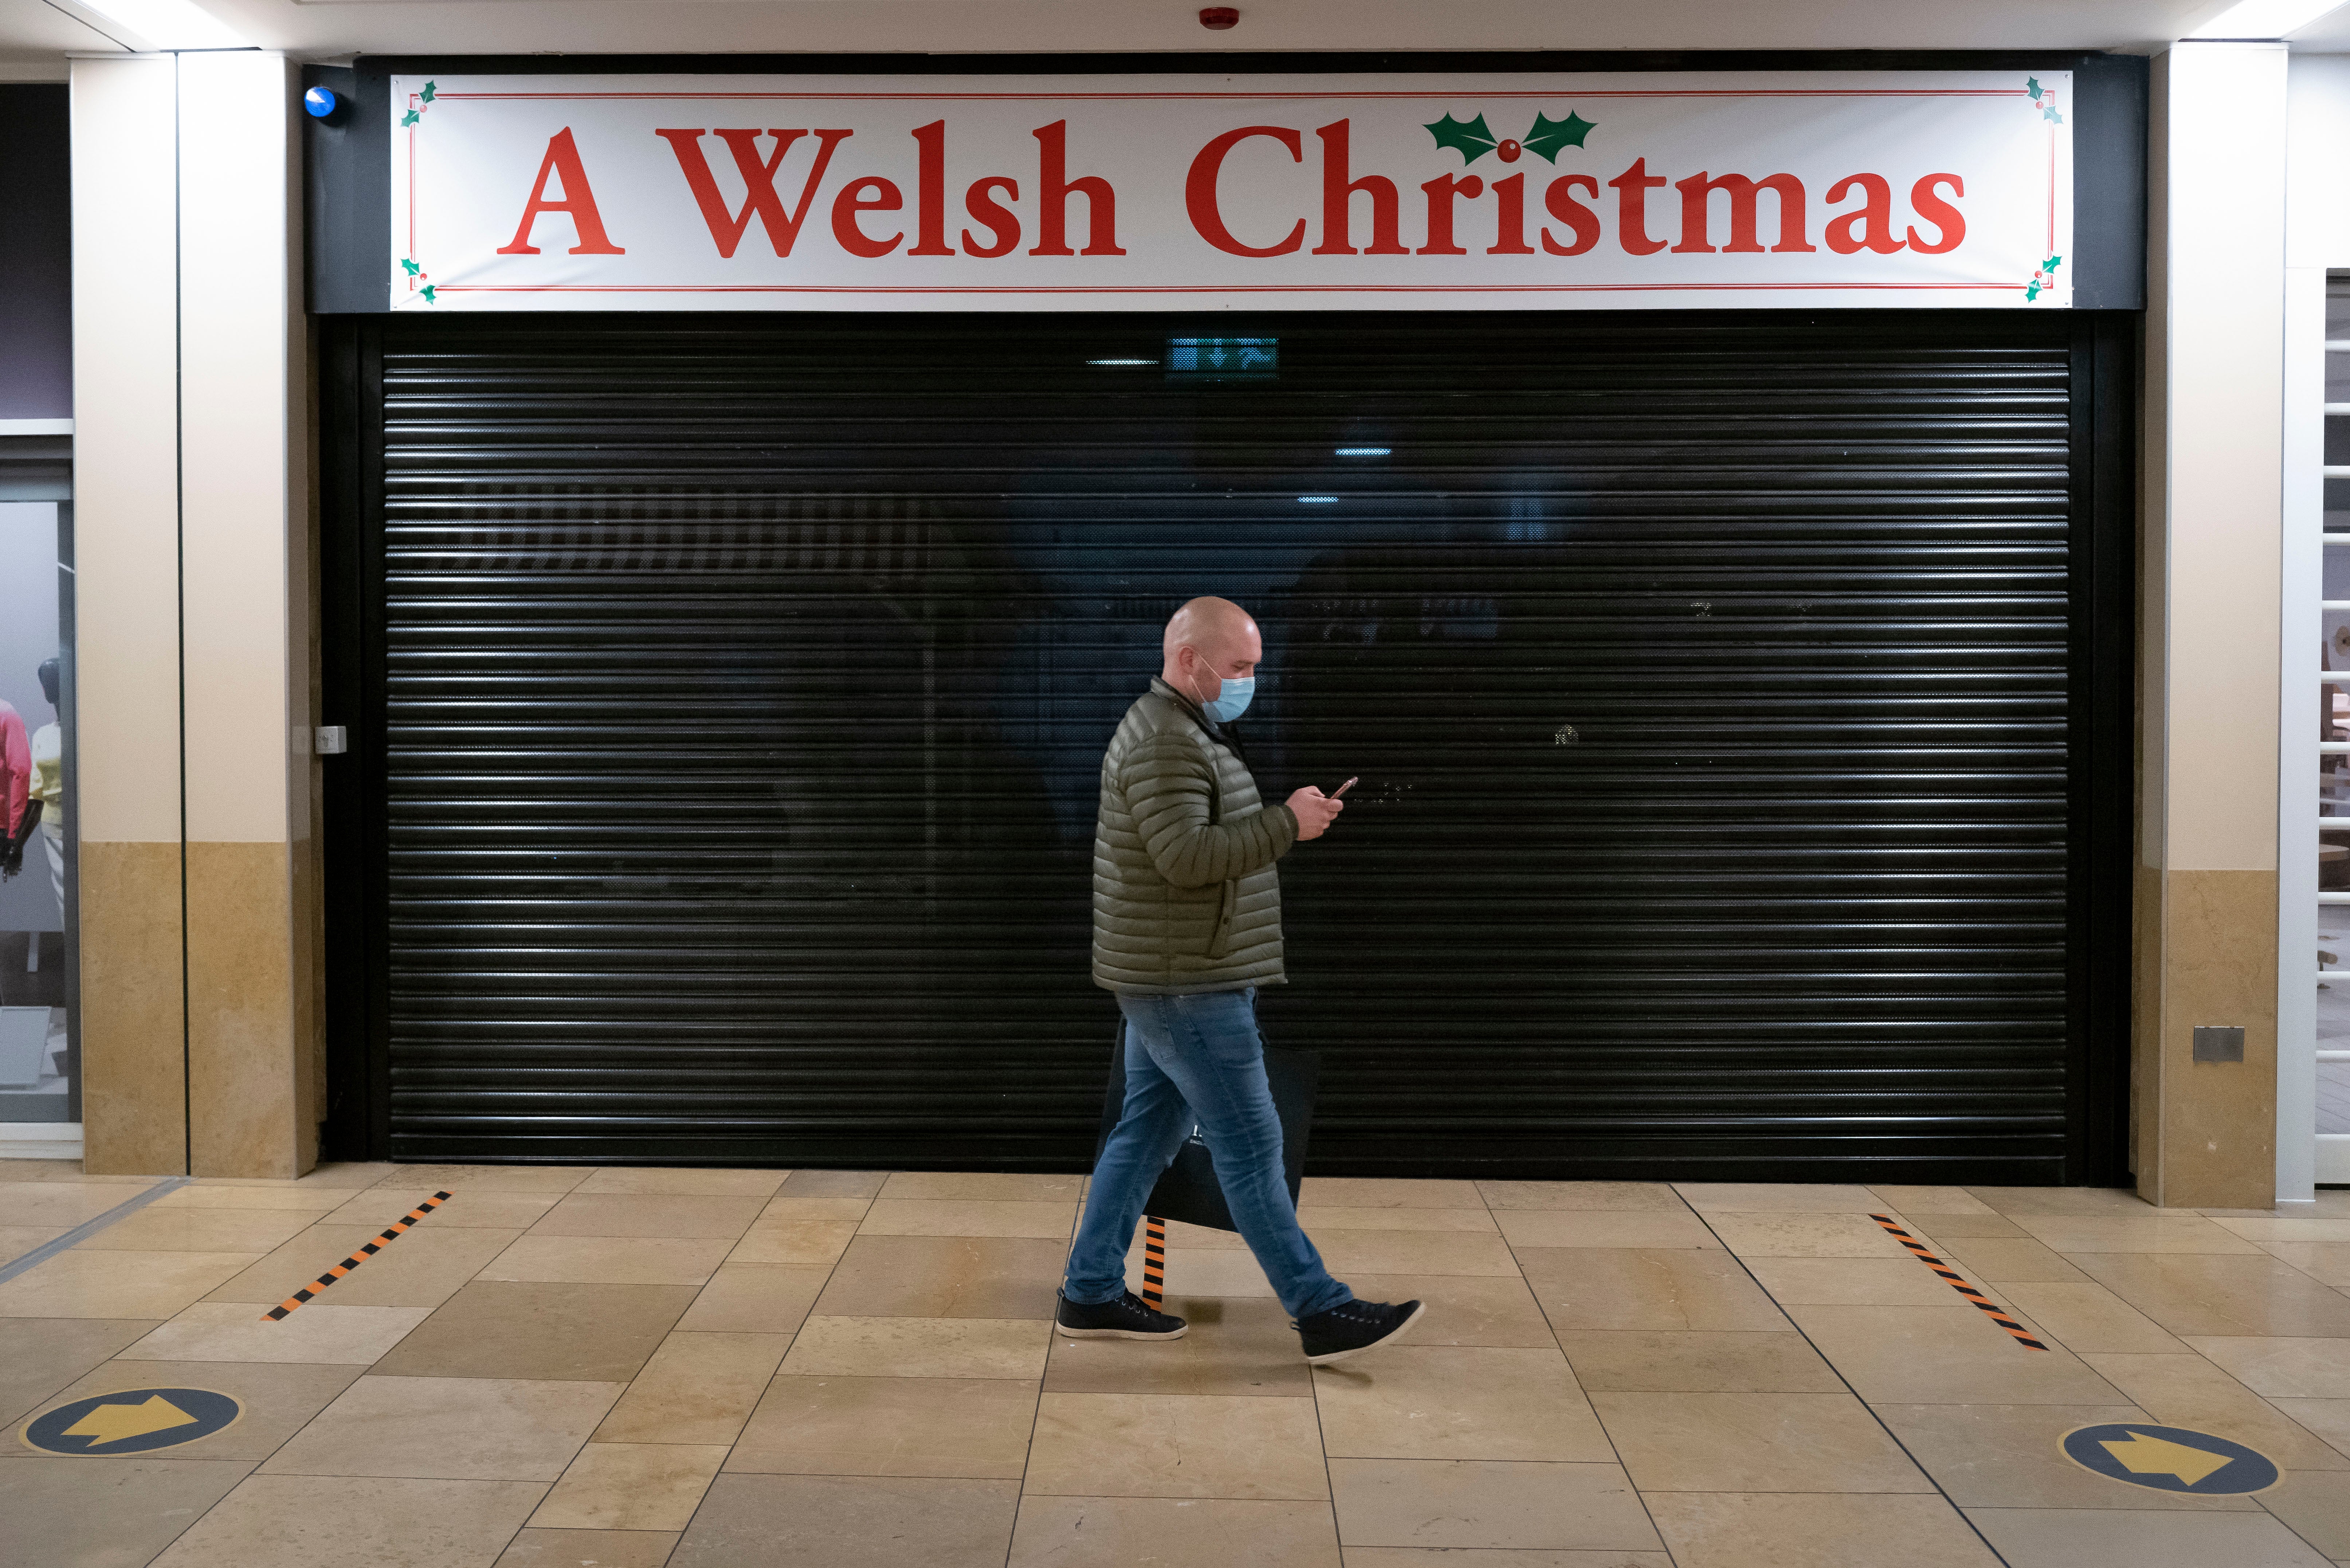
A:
[(2170, 1458), (130, 1421)]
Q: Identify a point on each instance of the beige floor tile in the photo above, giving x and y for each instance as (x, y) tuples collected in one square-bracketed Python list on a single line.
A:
[(2288, 1368), (1806, 1235), (1464, 1309), (972, 1427), (1754, 1442), (1696, 1361), (1215, 1271), (15, 1240), (807, 1232), (1387, 1192), (2194, 1295), (377, 1207), (1437, 1503), (1448, 1402), (2328, 1263), (1235, 1346), (2316, 1506), (1764, 1197), (697, 1388), (423, 1268), (1159, 1445), (38, 1356), (1165, 1532), (1748, 1530), (631, 1486), (919, 1347), (1855, 1282), (1604, 1228), (66, 1170), (2329, 1418), (449, 1428), (980, 1187), (275, 1401), (338, 1521), (2017, 1200), (587, 1334), (1925, 1356), (851, 1522), (1411, 1253), (589, 1549), (2089, 1317), (983, 1217), (1950, 1227), (703, 1182), (2287, 1230), (1647, 1288), (946, 1276), (2150, 1537), (1502, 1557), (118, 1514), (118, 1284), (1990, 1260), (1995, 1456), (1918, 1202), (2188, 1391), (1199, 1238), (345, 1173), (2071, 1234), (463, 1179), (237, 1331), (754, 1298), (1331, 1217), (649, 1215), (835, 1183), (64, 1203), (608, 1260), (155, 1230), (314, 1200), (1623, 1197)]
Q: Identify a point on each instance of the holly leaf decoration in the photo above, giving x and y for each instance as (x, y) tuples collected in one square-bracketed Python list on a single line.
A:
[(428, 292), (1551, 137), (2034, 83), (411, 118), (410, 267), (1471, 136), (2052, 263), (430, 88)]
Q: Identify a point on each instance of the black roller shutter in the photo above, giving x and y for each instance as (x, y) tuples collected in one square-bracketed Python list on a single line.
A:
[(1739, 704)]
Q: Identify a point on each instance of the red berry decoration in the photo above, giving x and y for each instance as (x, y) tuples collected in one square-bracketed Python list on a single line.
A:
[(1510, 150), (1216, 18)]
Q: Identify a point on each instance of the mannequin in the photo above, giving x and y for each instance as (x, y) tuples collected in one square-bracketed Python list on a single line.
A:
[(49, 782)]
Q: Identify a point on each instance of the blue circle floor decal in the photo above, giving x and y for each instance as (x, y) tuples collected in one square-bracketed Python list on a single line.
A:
[(2171, 1459), (132, 1422)]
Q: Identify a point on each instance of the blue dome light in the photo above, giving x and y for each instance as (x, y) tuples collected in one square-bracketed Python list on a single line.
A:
[(319, 103)]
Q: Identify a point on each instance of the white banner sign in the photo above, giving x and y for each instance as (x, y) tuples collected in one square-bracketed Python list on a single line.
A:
[(559, 192)]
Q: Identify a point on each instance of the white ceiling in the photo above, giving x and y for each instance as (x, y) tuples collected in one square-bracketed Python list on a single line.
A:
[(35, 34)]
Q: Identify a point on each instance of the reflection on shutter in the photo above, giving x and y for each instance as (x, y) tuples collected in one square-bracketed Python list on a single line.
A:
[(1711, 678)]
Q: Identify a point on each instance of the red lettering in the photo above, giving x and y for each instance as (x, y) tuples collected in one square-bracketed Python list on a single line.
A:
[(1870, 228), (930, 190), (1584, 222), (1632, 188), (1696, 190), (1200, 192), (1054, 188), (759, 198), (1338, 192), (1941, 214), (854, 199), (579, 203), (1440, 191), (1003, 224), (1510, 221)]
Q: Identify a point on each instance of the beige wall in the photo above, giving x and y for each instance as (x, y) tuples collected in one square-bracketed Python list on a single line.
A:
[(198, 923)]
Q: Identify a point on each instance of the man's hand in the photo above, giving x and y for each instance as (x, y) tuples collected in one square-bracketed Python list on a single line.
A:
[(1315, 812)]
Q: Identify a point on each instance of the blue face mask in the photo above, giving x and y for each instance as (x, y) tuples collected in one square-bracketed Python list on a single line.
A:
[(1233, 700)]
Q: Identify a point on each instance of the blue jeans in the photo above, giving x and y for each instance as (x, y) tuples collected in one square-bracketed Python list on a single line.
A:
[(1199, 1060)]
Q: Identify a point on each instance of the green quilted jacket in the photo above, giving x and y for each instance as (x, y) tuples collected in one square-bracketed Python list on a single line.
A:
[(1185, 894)]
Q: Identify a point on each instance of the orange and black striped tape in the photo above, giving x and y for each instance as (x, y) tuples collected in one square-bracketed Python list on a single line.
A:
[(1997, 1314), (1154, 1262), (310, 1290)]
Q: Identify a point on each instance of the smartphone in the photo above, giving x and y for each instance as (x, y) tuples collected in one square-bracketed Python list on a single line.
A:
[(1341, 789)]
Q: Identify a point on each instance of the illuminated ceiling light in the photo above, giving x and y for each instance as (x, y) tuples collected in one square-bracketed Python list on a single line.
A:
[(1318, 500), (1364, 450), (1121, 361), (171, 25), (2264, 19)]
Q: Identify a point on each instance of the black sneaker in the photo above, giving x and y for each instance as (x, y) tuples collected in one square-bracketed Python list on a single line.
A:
[(1354, 1328), (1125, 1318)]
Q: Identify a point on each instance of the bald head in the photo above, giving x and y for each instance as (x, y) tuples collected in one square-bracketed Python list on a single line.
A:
[(1208, 641)]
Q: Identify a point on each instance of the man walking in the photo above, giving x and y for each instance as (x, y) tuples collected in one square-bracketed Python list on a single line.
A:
[(1187, 925)]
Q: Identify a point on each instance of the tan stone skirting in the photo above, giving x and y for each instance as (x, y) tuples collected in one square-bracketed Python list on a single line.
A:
[(2206, 1132)]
